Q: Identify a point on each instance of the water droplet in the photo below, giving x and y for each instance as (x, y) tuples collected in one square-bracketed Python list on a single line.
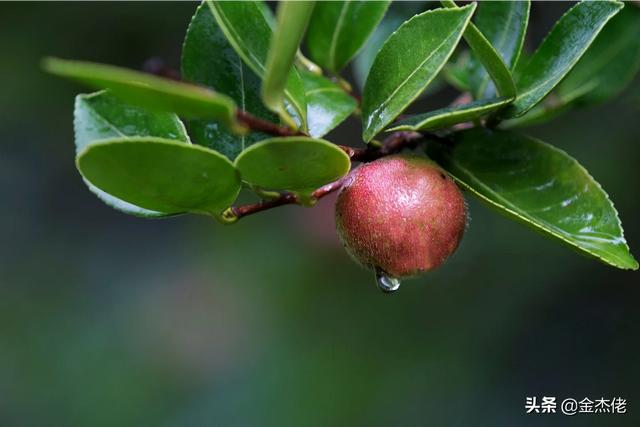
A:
[(387, 284)]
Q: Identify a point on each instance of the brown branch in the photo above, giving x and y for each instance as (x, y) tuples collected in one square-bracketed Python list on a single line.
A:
[(328, 189), (284, 199), (395, 143), (158, 67), (263, 205), (260, 125)]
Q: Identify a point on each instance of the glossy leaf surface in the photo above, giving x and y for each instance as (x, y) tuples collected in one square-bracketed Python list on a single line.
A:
[(328, 104), (504, 25), (561, 49), (541, 186), (456, 73), (489, 57), (397, 14), (101, 115), (407, 62), (550, 108), (248, 28), (603, 72), (295, 163), (147, 90), (446, 117), (208, 59), (338, 29), (292, 20), (610, 63), (161, 175)]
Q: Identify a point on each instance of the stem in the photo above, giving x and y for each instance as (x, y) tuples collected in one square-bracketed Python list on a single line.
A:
[(285, 199), (348, 89), (260, 125), (395, 143)]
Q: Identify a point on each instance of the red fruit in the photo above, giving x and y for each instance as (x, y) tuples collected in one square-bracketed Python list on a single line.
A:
[(400, 215)]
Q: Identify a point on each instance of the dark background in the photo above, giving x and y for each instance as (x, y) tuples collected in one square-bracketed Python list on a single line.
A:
[(110, 320)]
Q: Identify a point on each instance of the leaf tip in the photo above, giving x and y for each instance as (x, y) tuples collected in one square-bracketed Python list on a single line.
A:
[(50, 64), (633, 264)]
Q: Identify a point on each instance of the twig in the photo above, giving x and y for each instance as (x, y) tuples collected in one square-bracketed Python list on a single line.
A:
[(285, 199), (288, 198), (158, 67), (395, 143), (260, 125)]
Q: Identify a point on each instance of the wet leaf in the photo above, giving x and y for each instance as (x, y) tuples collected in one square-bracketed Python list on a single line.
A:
[(603, 72), (561, 49), (248, 27), (292, 21), (396, 14), (550, 108), (208, 59), (540, 186), (610, 63), (407, 62), (488, 57), (456, 72), (161, 175), (101, 115), (446, 117), (503, 24), (328, 104), (295, 164), (338, 29), (149, 91)]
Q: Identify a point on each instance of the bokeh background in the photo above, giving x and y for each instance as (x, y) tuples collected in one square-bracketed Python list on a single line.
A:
[(110, 320)]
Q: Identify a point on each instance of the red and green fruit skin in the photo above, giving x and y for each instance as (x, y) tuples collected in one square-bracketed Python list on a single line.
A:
[(401, 215)]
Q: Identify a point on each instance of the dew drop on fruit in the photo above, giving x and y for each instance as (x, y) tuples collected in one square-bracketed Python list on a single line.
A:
[(387, 284)]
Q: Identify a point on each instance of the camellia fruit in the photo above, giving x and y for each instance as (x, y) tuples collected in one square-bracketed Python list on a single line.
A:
[(401, 215)]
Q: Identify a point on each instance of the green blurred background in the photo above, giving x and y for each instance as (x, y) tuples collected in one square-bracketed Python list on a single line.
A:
[(109, 320)]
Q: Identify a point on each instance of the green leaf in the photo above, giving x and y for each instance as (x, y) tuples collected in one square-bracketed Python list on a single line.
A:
[(603, 72), (161, 175), (446, 117), (247, 26), (149, 91), (396, 14), (295, 163), (208, 59), (327, 104), (456, 71), (610, 63), (100, 116), (292, 22), (561, 49), (407, 62), (550, 108), (540, 186), (489, 58), (504, 24), (338, 29)]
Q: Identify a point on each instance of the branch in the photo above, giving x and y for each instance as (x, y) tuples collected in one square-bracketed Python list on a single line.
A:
[(260, 125), (395, 143), (288, 198), (158, 67)]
